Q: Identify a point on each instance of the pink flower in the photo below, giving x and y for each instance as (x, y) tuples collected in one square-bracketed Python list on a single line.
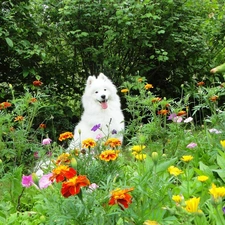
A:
[(99, 136), (93, 186), (191, 145), (36, 156), (177, 119), (44, 181), (46, 141), (27, 181)]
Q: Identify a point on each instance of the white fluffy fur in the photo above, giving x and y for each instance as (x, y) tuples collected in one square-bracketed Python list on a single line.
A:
[(110, 118)]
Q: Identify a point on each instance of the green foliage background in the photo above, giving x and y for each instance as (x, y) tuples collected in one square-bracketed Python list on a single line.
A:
[(63, 42)]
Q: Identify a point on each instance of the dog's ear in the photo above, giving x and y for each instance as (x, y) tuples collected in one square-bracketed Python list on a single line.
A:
[(90, 80), (103, 77)]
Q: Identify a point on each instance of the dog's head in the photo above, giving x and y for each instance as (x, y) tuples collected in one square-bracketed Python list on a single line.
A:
[(100, 89)]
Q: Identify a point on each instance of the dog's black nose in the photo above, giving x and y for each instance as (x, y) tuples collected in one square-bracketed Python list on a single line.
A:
[(103, 96)]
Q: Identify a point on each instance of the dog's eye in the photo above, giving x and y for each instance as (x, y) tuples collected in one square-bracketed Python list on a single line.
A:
[(104, 89), (96, 92)]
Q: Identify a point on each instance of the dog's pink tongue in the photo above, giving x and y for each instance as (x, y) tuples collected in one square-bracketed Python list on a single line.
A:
[(104, 105)]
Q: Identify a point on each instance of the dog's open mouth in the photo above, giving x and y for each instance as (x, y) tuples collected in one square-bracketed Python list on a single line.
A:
[(104, 104)]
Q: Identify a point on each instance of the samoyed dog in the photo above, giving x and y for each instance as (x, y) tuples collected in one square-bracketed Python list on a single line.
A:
[(102, 116)]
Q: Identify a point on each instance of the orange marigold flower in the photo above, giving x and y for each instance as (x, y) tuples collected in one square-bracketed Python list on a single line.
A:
[(125, 90), (88, 143), (19, 118), (63, 159), (62, 172), (65, 135), (109, 155), (73, 185), (163, 112), (32, 100), (201, 83), (42, 126), (148, 86), (5, 105), (157, 99), (181, 113), (214, 98), (113, 142), (37, 83), (121, 197)]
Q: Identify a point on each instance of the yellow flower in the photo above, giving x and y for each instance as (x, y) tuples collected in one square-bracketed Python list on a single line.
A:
[(19, 118), (192, 205), (140, 156), (148, 86), (138, 148), (187, 158), (177, 198), (125, 90), (202, 178), (109, 155), (65, 136), (113, 142), (174, 171), (63, 159), (217, 192), (88, 143), (222, 142), (151, 222), (140, 79)]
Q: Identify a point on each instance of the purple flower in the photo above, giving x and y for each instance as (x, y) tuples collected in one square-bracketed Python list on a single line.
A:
[(95, 127), (171, 116), (188, 120), (44, 181), (46, 141), (27, 181), (191, 145), (213, 130), (223, 210), (114, 131)]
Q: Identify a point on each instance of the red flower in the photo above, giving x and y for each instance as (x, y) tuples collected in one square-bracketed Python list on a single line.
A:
[(37, 83), (62, 172), (73, 185), (5, 105), (121, 197)]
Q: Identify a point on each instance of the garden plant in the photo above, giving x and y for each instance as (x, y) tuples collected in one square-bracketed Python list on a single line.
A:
[(167, 171)]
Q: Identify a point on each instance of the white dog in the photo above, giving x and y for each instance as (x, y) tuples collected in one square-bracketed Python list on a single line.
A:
[(102, 116)]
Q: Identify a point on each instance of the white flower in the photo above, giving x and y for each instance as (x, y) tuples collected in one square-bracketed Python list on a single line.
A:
[(188, 120)]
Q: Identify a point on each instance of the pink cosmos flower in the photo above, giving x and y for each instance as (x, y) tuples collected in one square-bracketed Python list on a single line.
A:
[(171, 116), (44, 181), (93, 186), (46, 141), (191, 145), (27, 181), (99, 136), (177, 119)]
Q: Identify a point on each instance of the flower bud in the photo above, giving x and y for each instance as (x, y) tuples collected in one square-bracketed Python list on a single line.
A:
[(35, 178), (74, 163), (155, 157)]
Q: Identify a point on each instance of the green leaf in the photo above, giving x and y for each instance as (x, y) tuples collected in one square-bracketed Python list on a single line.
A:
[(9, 42)]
